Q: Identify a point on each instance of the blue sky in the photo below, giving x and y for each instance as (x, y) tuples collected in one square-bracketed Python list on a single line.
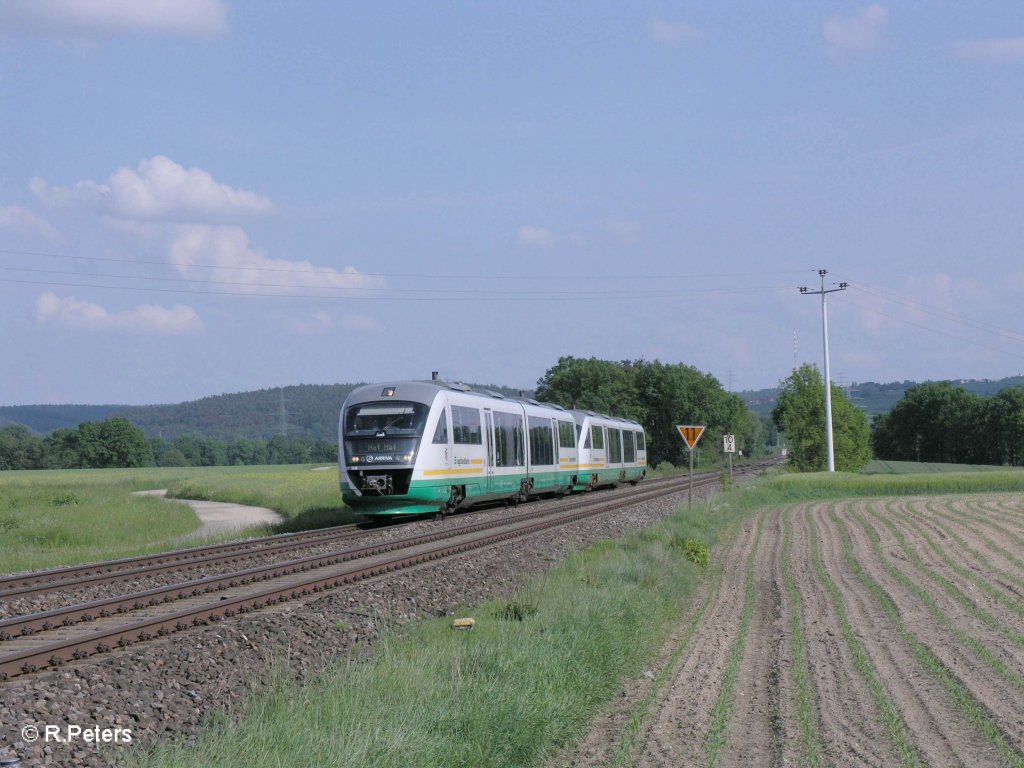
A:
[(207, 196)]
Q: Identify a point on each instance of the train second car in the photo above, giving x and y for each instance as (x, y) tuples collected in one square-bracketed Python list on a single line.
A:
[(418, 447)]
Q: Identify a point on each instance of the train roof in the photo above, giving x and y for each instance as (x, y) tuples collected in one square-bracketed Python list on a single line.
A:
[(426, 391), (580, 416)]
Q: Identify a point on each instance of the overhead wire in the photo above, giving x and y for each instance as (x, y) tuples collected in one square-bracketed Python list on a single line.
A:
[(414, 275), (930, 329)]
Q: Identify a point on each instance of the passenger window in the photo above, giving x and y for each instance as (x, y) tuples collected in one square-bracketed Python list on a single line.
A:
[(541, 445), (566, 436), (441, 433), (466, 425)]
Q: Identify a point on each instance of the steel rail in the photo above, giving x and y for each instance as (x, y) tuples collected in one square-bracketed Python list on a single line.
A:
[(54, 578), (69, 615), (40, 582), (56, 653), (28, 660)]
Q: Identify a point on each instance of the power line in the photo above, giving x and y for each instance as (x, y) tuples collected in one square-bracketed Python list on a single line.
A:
[(436, 296), (937, 312), (418, 276), (971, 342)]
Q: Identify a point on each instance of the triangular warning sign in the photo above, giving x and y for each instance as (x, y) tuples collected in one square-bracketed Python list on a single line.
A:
[(691, 433)]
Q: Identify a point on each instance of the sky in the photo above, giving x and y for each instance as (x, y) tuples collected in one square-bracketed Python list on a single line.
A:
[(209, 196)]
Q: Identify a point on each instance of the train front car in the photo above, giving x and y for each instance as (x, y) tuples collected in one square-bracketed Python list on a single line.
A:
[(380, 439)]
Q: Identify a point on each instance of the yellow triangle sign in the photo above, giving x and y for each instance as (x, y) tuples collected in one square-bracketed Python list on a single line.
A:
[(691, 433)]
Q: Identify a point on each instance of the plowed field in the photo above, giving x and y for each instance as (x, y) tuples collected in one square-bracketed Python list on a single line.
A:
[(880, 632)]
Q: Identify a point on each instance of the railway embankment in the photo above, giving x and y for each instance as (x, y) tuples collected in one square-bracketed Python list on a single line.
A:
[(168, 688)]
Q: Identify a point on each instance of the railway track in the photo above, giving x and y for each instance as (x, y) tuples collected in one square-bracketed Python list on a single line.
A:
[(55, 637)]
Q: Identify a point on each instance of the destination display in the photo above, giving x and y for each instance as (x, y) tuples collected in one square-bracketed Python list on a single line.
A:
[(373, 451)]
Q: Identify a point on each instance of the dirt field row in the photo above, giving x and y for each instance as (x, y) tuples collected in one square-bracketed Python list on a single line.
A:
[(882, 632)]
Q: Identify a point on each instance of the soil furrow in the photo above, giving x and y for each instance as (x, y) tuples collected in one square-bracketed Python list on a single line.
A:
[(960, 610), (940, 556), (997, 693), (852, 732), (936, 727), (764, 723), (683, 717)]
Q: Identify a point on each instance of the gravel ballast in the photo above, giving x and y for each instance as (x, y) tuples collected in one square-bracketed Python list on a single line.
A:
[(167, 688)]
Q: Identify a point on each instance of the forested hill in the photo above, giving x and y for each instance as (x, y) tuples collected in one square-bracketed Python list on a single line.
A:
[(305, 410), (46, 418), (874, 398)]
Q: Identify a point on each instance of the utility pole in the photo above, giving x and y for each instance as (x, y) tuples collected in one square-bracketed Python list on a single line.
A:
[(828, 381)]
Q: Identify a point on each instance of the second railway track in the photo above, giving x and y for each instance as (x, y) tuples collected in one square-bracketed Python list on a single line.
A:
[(51, 638)]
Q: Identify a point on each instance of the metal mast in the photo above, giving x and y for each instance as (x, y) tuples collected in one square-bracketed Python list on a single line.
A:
[(828, 380)]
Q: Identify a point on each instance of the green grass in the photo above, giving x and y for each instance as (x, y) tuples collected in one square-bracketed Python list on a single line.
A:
[(306, 498), (63, 521), (839, 485), (882, 467), (60, 517), (510, 692)]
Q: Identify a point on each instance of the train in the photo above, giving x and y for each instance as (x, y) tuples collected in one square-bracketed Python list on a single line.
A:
[(434, 447)]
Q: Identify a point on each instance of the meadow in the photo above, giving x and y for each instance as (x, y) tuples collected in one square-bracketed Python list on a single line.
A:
[(59, 517)]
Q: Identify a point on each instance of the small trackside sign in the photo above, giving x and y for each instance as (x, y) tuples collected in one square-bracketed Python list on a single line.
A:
[(691, 433)]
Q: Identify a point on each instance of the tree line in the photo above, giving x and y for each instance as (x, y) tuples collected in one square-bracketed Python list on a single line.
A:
[(657, 396), (939, 422), (116, 442)]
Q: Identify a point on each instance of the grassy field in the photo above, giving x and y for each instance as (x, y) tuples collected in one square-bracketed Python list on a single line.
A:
[(881, 467), (60, 517), (530, 676)]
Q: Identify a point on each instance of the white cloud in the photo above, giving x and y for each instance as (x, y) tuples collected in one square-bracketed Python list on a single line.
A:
[(158, 188), (861, 32), (62, 18), (671, 32), (224, 254), (143, 319), (14, 218), (535, 236), (991, 49)]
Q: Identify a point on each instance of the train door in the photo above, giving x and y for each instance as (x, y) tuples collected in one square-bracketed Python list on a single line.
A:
[(489, 463)]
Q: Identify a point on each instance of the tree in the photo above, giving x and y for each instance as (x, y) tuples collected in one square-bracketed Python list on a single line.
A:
[(1004, 427), (61, 449), (800, 414), (590, 385), (933, 422), (656, 395), (114, 442), (19, 448)]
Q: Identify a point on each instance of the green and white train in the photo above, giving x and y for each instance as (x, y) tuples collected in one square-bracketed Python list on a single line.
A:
[(421, 447)]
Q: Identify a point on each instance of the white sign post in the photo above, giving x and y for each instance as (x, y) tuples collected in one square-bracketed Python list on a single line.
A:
[(729, 447)]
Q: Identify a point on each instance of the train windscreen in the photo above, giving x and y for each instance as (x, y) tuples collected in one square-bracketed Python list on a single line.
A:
[(385, 419)]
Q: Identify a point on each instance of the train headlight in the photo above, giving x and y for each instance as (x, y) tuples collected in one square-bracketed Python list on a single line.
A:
[(355, 459), (407, 458)]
